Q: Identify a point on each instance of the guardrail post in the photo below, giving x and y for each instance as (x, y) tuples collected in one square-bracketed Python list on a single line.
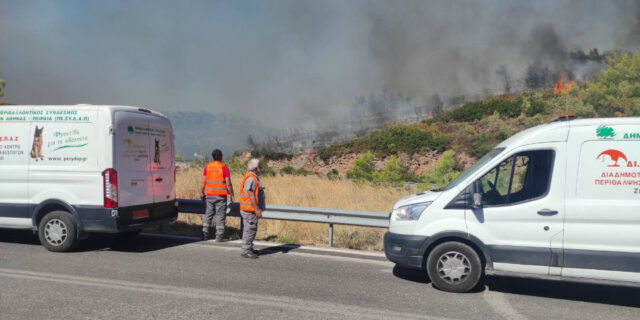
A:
[(330, 234)]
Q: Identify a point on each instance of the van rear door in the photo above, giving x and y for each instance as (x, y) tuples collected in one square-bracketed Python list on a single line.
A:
[(162, 159), (132, 145), (16, 140)]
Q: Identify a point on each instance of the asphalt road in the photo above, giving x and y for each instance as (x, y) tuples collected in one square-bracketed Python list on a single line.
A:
[(161, 278)]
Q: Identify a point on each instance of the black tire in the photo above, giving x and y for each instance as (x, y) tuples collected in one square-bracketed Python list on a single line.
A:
[(454, 267), (57, 231)]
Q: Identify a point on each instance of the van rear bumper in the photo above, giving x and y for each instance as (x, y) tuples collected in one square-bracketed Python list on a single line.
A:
[(405, 250), (98, 219)]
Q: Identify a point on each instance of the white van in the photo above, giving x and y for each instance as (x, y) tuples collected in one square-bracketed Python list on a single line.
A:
[(558, 201), (66, 171)]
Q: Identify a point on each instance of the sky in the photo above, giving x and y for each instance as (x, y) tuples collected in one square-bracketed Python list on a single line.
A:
[(284, 63)]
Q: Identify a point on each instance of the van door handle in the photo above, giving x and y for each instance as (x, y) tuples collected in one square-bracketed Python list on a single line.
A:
[(547, 212), (159, 179)]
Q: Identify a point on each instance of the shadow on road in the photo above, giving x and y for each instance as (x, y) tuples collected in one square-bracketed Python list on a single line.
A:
[(19, 236), (411, 274), (139, 244), (595, 293), (98, 242), (283, 248)]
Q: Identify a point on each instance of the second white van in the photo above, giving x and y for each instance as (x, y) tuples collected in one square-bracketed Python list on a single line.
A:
[(558, 201), (68, 171)]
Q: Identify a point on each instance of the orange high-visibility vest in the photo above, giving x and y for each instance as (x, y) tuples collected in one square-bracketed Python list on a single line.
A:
[(245, 201), (215, 185)]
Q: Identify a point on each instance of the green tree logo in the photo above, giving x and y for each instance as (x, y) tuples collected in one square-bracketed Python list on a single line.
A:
[(605, 132), (130, 129)]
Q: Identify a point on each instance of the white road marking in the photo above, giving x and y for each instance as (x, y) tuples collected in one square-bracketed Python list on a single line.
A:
[(268, 301), (499, 303)]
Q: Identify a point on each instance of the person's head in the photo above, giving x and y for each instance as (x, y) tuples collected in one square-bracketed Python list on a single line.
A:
[(216, 155), (254, 165)]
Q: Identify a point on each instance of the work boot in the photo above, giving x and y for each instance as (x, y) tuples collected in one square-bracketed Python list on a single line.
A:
[(219, 239), (205, 235), (249, 255)]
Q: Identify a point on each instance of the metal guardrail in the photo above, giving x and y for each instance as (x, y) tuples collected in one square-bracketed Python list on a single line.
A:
[(303, 214)]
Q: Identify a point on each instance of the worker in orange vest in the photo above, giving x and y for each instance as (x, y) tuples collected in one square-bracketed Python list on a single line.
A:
[(251, 206), (216, 186)]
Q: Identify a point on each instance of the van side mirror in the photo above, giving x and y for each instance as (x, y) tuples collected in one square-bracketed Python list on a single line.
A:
[(476, 193)]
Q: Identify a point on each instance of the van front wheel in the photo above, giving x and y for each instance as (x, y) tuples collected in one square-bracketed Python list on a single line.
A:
[(57, 232), (454, 267)]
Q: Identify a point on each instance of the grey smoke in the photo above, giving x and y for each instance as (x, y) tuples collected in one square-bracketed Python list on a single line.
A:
[(294, 63)]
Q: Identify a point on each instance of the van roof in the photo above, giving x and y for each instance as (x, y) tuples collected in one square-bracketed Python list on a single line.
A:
[(112, 108), (558, 130)]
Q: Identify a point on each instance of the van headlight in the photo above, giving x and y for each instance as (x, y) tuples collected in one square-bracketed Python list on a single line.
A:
[(410, 212)]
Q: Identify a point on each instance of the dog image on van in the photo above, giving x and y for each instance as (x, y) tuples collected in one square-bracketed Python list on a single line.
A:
[(36, 149), (156, 156)]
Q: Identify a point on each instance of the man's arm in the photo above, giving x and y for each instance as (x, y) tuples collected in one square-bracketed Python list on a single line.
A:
[(254, 203), (230, 189), (204, 182)]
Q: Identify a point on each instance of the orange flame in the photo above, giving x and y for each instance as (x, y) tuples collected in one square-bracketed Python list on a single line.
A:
[(430, 116), (561, 87)]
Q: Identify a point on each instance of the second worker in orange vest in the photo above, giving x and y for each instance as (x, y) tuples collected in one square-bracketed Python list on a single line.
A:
[(215, 188), (251, 206)]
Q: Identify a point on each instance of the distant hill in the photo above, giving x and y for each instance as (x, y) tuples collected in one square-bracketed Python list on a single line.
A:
[(200, 132)]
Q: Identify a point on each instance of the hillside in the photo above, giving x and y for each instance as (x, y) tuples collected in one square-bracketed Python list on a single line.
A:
[(434, 151)]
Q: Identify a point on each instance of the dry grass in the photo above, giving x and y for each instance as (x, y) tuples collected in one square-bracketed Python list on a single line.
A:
[(309, 191)]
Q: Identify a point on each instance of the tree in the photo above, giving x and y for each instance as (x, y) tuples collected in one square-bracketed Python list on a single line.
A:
[(443, 172), (2, 84), (362, 168), (393, 173)]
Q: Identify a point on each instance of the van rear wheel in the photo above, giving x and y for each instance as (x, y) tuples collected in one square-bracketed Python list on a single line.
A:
[(57, 231), (454, 267)]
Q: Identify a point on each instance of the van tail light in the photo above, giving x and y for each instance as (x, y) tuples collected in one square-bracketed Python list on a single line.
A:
[(110, 178)]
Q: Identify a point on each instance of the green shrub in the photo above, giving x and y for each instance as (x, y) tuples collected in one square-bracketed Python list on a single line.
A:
[(481, 144), (334, 150), (506, 106), (362, 168), (409, 139), (266, 170), (333, 174), (394, 173), (296, 172), (443, 172), (302, 172), (403, 138), (536, 106), (236, 166), (270, 155), (287, 170), (472, 142)]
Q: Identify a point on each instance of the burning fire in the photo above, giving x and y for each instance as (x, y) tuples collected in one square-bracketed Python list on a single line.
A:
[(561, 87)]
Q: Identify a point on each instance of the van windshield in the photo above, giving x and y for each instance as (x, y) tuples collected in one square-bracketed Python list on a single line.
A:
[(479, 164)]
